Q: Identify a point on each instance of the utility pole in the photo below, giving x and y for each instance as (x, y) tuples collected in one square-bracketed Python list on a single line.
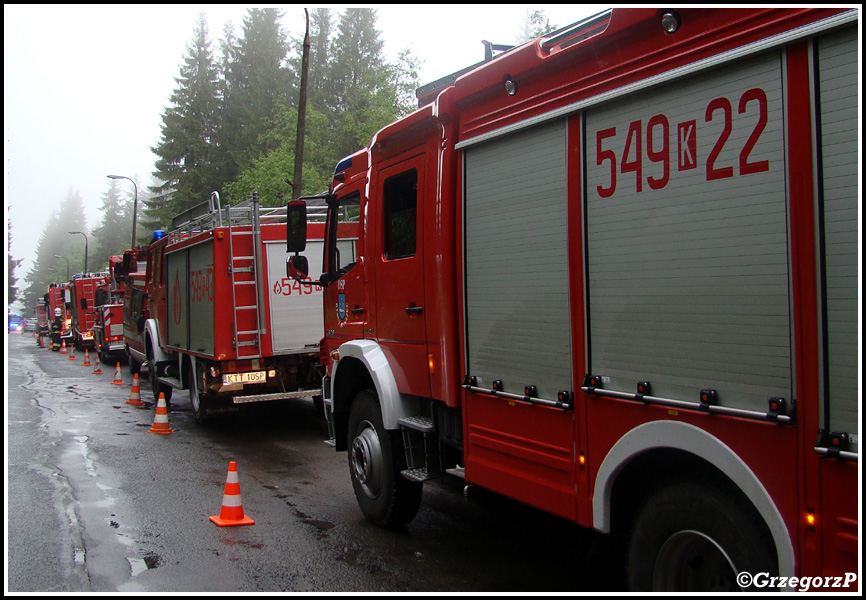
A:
[(302, 114)]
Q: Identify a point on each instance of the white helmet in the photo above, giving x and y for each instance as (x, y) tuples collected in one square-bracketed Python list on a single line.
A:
[(57, 312)]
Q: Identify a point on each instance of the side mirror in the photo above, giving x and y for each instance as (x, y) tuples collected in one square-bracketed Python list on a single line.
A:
[(297, 267), (296, 226)]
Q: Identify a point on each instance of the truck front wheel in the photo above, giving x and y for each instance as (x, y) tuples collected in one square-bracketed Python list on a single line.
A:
[(375, 459), (693, 537)]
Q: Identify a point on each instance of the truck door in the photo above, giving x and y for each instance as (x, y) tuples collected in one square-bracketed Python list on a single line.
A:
[(401, 322), (517, 318)]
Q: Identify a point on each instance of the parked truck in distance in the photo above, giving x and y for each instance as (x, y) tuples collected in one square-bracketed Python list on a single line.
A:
[(59, 296), (108, 314), (222, 319), (133, 271), (83, 290)]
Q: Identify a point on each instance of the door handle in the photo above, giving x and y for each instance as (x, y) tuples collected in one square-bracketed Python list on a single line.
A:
[(414, 310)]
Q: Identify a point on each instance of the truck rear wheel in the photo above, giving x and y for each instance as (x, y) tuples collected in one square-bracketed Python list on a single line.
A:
[(196, 398), (134, 365), (375, 459), (691, 536)]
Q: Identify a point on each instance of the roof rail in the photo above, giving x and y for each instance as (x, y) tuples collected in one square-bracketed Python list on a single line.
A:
[(426, 92), (571, 34), (209, 215)]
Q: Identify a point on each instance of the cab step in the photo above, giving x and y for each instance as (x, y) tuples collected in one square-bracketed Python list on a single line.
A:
[(418, 423), (418, 474), (424, 456)]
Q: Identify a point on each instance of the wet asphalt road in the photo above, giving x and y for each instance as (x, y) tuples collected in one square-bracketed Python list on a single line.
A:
[(96, 503)]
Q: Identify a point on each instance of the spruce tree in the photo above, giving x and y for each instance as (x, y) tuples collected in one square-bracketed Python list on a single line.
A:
[(112, 235), (258, 86), (186, 165)]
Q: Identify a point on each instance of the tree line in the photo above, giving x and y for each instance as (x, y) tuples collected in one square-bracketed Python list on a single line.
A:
[(230, 127)]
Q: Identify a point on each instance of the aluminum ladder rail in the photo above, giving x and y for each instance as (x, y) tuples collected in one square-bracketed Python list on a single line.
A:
[(246, 212)]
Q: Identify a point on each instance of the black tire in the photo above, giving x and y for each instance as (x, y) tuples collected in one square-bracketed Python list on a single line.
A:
[(375, 459), (197, 401), (155, 386), (690, 536), (319, 404), (134, 365)]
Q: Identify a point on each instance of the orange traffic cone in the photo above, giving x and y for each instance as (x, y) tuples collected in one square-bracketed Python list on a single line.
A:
[(117, 379), (135, 394), (71, 352), (86, 362), (232, 509), (63, 348), (160, 419), (97, 370)]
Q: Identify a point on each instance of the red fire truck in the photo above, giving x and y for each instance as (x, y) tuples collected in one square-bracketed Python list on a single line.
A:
[(83, 289), (612, 273), (133, 272), (42, 331), (60, 296), (225, 323), (108, 328)]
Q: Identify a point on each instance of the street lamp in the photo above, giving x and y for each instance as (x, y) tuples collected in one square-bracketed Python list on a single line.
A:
[(134, 206), (67, 264), (85, 248)]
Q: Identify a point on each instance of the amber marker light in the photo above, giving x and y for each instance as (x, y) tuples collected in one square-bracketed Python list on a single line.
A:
[(581, 459), (431, 364), (811, 519)]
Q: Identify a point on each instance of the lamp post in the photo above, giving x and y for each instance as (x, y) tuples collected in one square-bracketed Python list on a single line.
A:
[(134, 206), (85, 248), (67, 264)]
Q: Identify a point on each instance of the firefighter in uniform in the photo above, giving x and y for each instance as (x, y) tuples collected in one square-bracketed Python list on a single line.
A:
[(56, 329)]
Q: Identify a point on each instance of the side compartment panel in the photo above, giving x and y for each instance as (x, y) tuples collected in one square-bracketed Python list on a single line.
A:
[(517, 300), (201, 298), (687, 238), (517, 317), (177, 298), (837, 72)]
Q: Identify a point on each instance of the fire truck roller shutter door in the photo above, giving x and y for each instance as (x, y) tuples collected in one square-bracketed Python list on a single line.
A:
[(687, 238)]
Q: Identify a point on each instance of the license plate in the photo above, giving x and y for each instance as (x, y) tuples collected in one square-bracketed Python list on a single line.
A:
[(254, 377)]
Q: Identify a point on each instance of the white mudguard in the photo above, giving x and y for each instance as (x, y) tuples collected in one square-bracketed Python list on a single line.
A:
[(669, 434), (394, 404)]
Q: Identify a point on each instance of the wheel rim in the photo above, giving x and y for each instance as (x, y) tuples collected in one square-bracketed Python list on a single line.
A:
[(692, 561), (367, 460)]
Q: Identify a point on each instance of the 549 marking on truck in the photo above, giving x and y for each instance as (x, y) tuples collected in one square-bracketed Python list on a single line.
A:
[(291, 287), (648, 144)]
